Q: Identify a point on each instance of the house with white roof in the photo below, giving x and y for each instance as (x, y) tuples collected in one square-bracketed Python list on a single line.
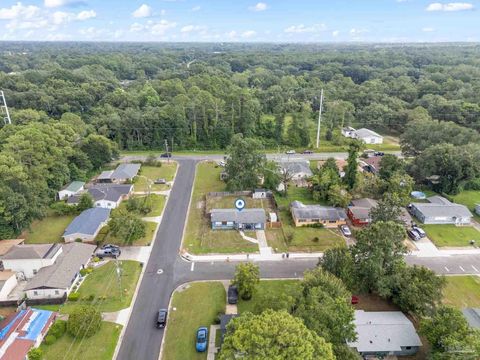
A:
[(366, 135), (71, 189), (383, 333), (87, 225), (439, 210)]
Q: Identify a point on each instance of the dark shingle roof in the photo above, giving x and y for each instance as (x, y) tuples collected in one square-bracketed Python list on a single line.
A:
[(32, 251), (246, 216), (109, 192), (88, 221), (307, 212)]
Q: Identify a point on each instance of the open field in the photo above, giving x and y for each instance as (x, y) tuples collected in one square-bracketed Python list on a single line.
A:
[(48, 230), (451, 235), (106, 237), (208, 300), (148, 174), (462, 291), (100, 346), (199, 237)]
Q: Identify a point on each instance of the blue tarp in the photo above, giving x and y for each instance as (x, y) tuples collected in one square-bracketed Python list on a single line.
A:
[(7, 328), (36, 326)]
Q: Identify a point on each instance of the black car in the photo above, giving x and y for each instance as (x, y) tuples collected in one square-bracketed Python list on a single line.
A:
[(378, 153), (162, 318), (166, 155), (232, 294), (108, 252), (307, 152)]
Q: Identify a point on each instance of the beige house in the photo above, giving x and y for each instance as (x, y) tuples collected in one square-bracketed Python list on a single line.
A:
[(328, 216)]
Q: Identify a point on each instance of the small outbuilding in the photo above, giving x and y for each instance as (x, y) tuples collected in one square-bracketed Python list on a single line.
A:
[(71, 189), (260, 194), (233, 219)]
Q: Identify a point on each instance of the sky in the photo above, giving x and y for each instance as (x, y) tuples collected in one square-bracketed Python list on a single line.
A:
[(240, 20)]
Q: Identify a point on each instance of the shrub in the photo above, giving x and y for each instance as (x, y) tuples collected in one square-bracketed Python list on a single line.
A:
[(152, 161), (78, 240), (62, 208), (218, 318), (316, 239), (84, 321), (58, 329), (83, 272), (96, 259), (49, 339), (35, 354), (73, 296), (90, 297)]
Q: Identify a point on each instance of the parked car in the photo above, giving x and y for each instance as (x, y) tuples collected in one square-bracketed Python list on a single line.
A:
[(378, 153), (166, 155), (160, 181), (354, 300), (222, 163), (110, 246), (412, 234), (290, 152), (345, 230), (307, 152), (420, 231), (201, 340), (162, 318), (232, 294), (113, 252)]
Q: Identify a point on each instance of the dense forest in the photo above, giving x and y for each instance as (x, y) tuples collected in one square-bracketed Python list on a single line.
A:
[(199, 95)]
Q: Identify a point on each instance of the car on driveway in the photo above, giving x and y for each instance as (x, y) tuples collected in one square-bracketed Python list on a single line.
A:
[(162, 318), (201, 339), (232, 294), (345, 230), (412, 234), (113, 252), (308, 152), (419, 231), (379, 153), (110, 246), (160, 181), (166, 155), (290, 152)]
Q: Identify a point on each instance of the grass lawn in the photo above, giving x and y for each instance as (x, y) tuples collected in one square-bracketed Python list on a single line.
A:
[(462, 291), (451, 235), (100, 346), (47, 230), (196, 306), (199, 237), (166, 171), (108, 238), (228, 202), (268, 287), (301, 194), (469, 198), (158, 202)]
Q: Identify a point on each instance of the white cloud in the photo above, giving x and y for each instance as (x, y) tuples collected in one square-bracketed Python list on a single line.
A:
[(261, 6), (196, 8), (19, 11), (231, 34), (335, 33), (298, 29), (86, 14), (161, 27), (61, 17), (56, 3), (428, 29), (135, 27), (356, 32), (143, 11), (190, 28), (248, 34), (455, 6)]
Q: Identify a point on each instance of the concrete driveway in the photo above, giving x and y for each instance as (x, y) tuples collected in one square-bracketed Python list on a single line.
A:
[(137, 253)]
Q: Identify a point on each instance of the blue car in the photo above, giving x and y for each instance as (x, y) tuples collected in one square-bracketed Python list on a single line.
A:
[(202, 338)]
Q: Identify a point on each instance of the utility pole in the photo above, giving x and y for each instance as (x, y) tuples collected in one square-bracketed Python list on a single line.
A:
[(166, 149), (319, 119), (172, 146), (4, 109)]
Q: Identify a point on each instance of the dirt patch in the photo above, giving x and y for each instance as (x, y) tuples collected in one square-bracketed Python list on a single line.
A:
[(200, 204)]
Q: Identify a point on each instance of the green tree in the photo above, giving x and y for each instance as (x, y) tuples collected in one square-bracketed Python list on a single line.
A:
[(247, 277), (271, 175), (272, 335), (35, 354), (85, 202), (127, 227), (99, 149), (245, 163), (84, 321), (390, 165), (350, 178), (339, 262), (389, 208), (338, 196)]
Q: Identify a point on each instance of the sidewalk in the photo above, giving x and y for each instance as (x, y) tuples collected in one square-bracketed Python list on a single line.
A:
[(253, 257)]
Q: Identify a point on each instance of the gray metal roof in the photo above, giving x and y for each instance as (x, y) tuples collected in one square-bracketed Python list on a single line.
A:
[(104, 175), (126, 171), (296, 167), (109, 192), (365, 203), (88, 221), (32, 251), (362, 133), (307, 212), (61, 273), (383, 331), (74, 186), (439, 200), (246, 216), (473, 317), (441, 207)]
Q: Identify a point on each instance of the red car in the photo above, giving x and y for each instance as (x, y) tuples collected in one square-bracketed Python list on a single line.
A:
[(355, 300)]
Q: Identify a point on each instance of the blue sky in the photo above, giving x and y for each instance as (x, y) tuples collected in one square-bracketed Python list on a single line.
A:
[(241, 20)]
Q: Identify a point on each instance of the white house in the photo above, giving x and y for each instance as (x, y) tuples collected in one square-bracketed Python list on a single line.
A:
[(260, 194), (87, 225), (57, 280), (107, 196), (27, 260), (71, 189), (348, 132), (368, 136), (8, 281)]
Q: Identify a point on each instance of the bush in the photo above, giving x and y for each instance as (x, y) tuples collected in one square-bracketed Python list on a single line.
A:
[(35, 354), (62, 208), (316, 239), (90, 297), (84, 321), (96, 259), (83, 272), (316, 226), (78, 240), (73, 296), (472, 185), (49, 339), (218, 318), (152, 161), (58, 329)]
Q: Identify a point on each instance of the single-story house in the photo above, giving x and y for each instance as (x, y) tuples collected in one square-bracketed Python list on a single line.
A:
[(260, 194), (441, 211), (348, 132), (329, 216), (87, 225), (224, 320), (26, 260), (71, 189), (299, 171), (473, 317), (246, 219), (105, 176), (382, 333), (359, 211), (57, 280), (371, 164), (8, 282), (107, 196), (368, 136), (22, 331), (125, 172)]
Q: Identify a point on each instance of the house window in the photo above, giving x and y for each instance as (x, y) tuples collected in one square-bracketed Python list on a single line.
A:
[(35, 293), (224, 223), (35, 271), (57, 292), (332, 221), (408, 347)]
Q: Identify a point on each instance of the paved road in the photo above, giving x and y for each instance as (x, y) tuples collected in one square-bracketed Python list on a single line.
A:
[(449, 265)]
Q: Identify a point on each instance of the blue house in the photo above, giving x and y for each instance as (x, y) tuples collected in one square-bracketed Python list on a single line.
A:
[(232, 219)]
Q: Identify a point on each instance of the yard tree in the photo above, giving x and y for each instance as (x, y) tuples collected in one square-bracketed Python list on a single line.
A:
[(338, 196), (390, 165), (84, 321), (331, 164), (271, 175), (247, 277), (389, 208), (401, 185), (324, 305), (377, 253), (35, 354), (350, 177), (85, 202), (245, 163), (99, 149), (272, 335), (323, 181), (450, 335), (339, 262), (127, 226)]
